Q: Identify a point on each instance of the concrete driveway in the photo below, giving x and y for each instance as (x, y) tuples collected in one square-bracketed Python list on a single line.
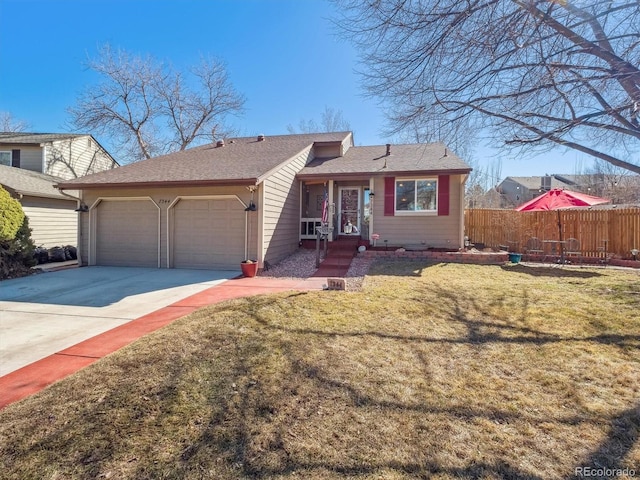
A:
[(45, 313)]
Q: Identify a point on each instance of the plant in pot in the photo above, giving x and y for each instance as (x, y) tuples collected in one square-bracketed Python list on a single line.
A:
[(249, 268)]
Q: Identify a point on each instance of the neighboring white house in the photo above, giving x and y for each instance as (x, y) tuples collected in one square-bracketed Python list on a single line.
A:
[(58, 154), (32, 163)]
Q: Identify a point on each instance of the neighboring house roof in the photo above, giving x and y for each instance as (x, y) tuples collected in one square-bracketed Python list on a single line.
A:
[(427, 159), (26, 182), (241, 160), (534, 183), (23, 138)]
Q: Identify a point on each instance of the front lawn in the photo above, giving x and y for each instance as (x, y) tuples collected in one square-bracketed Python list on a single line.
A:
[(431, 371)]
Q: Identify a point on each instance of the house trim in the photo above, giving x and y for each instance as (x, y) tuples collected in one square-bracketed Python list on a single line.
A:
[(244, 182)]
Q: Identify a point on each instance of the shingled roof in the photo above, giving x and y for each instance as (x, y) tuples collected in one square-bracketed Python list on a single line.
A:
[(240, 161), (30, 183), (22, 138), (426, 159)]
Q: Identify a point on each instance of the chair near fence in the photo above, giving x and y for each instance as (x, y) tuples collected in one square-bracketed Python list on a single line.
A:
[(603, 253), (572, 249), (534, 246)]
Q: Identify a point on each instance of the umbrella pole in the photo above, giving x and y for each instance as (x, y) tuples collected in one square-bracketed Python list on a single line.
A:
[(560, 236)]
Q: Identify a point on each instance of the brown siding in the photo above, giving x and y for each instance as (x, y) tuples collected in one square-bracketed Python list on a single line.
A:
[(430, 230), (281, 210)]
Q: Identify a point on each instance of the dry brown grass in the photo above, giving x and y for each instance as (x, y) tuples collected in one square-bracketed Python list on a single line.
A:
[(431, 371)]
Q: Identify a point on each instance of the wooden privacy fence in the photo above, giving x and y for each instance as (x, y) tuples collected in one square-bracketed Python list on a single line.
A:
[(614, 231)]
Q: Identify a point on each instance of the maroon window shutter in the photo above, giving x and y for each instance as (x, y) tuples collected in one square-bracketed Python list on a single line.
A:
[(15, 158), (443, 195), (389, 196)]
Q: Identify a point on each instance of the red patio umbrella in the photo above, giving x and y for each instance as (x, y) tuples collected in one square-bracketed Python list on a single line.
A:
[(558, 199)]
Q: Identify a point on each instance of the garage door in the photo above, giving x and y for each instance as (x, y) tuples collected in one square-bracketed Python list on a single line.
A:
[(127, 233), (208, 233)]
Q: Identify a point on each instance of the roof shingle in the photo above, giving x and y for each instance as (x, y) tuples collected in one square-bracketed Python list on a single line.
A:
[(241, 160), (31, 183), (34, 138), (422, 158)]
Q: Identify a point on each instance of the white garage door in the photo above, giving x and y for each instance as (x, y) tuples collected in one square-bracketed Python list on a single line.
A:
[(127, 233), (208, 233)]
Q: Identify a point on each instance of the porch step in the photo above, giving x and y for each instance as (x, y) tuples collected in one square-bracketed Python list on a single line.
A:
[(341, 253), (337, 261), (339, 257)]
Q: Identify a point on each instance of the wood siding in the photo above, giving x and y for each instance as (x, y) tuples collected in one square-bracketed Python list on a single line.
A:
[(53, 222), (30, 156), (76, 157), (431, 230), (68, 159), (281, 210)]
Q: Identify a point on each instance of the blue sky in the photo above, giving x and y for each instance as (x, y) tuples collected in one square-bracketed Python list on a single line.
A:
[(284, 56)]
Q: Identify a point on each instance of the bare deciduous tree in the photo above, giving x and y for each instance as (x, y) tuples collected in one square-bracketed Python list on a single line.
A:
[(614, 183), (10, 124), (536, 73), (148, 108), (331, 120)]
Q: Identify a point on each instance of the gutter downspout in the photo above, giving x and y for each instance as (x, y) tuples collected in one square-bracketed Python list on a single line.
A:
[(79, 205), (462, 198)]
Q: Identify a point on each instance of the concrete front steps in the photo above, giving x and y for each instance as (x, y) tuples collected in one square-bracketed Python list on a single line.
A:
[(340, 253)]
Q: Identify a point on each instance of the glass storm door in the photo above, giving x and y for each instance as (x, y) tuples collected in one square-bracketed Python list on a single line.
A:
[(349, 211)]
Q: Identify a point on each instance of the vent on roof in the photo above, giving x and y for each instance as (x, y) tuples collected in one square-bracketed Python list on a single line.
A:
[(545, 182), (261, 137), (388, 149), (220, 143)]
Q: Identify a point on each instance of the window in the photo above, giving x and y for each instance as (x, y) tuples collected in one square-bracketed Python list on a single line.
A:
[(416, 195), (5, 158)]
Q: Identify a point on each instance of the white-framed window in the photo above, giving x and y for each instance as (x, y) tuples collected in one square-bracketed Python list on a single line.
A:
[(416, 195), (5, 158)]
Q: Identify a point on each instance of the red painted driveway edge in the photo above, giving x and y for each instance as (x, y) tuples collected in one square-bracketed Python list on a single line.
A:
[(36, 376)]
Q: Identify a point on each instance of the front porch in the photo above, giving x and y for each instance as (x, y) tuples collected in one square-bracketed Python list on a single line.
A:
[(345, 208)]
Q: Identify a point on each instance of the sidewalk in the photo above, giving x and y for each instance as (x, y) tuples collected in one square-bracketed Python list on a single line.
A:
[(28, 380)]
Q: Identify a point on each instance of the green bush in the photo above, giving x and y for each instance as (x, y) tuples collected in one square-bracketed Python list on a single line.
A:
[(11, 216), (16, 246)]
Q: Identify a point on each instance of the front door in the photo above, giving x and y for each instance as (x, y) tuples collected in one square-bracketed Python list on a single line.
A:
[(349, 216)]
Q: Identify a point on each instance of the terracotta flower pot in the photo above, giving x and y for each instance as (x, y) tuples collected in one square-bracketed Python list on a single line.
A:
[(249, 268)]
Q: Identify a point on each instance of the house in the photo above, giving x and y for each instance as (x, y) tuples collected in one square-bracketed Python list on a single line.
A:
[(621, 188), (51, 213), (257, 197), (518, 190), (32, 163), (57, 154)]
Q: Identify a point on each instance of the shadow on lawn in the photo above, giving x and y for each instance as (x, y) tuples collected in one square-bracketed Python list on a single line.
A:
[(621, 439), (415, 268), (623, 434), (557, 271), (478, 331), (256, 423)]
